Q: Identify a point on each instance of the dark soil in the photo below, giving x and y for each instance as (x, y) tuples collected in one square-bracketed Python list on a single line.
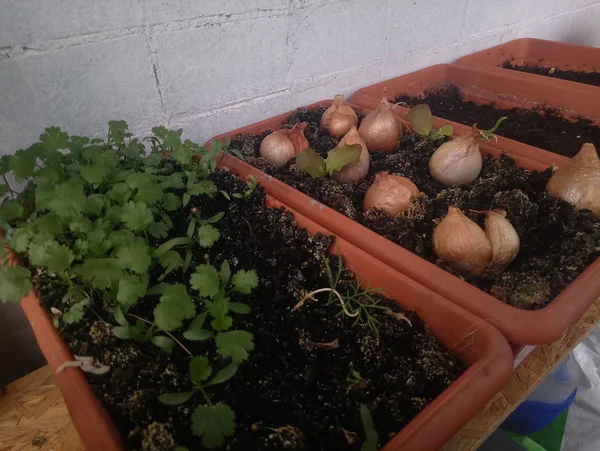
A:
[(540, 127), (291, 394), (557, 243), (588, 78)]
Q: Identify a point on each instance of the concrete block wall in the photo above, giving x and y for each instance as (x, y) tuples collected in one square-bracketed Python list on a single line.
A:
[(210, 66)]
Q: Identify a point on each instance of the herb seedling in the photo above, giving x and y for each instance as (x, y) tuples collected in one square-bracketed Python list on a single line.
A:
[(371, 435), (422, 120), (315, 165)]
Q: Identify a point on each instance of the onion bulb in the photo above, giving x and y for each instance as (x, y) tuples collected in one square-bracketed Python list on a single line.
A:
[(578, 180), (457, 162), (381, 129), (390, 193), (283, 144), (339, 118), (462, 243), (504, 240), (353, 172)]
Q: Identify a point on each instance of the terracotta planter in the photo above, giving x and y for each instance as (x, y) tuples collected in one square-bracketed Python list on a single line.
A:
[(518, 326), (540, 53), (476, 343), (506, 88)]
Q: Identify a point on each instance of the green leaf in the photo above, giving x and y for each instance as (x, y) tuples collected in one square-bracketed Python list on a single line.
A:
[(173, 242), (446, 130), (46, 177), (131, 288), (171, 202), (150, 194), (134, 256), (213, 424), (197, 335), (224, 375), (10, 210), (22, 164), (54, 139), (198, 322), (225, 272), (58, 257), (101, 273), (186, 198), (205, 280), (311, 162), (123, 237), (136, 216), (339, 157), (3, 189), (49, 224), (67, 201), (120, 316), (371, 435), (207, 235), (158, 229), (171, 261), (200, 369), (94, 174), (244, 281), (235, 344), (221, 322), (175, 306), (75, 313), (120, 193), (165, 343), (174, 399), (421, 118), (123, 332), (14, 283), (203, 187), (20, 238), (238, 307), (212, 219), (191, 228), (117, 132)]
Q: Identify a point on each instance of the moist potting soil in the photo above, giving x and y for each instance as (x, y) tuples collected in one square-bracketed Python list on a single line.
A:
[(588, 78), (557, 242), (310, 369), (540, 127)]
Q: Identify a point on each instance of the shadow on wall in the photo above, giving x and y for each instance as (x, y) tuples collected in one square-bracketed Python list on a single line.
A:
[(19, 352)]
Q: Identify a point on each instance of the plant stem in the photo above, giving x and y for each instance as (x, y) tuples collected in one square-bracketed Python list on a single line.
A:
[(322, 290), (166, 332), (201, 388), (9, 188)]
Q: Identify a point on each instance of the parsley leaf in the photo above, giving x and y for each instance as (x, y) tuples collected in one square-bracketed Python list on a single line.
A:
[(207, 235), (136, 216), (205, 280), (134, 256), (22, 164), (235, 344), (75, 313), (213, 424), (175, 306), (10, 209), (101, 273), (14, 283), (171, 260), (244, 281), (171, 202), (131, 288), (54, 139), (67, 200), (158, 229), (200, 369)]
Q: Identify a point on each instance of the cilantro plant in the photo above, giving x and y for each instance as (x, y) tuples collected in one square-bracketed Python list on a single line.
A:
[(315, 165), (95, 217)]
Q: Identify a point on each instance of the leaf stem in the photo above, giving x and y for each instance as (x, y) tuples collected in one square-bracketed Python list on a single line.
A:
[(206, 397), (9, 187), (166, 332)]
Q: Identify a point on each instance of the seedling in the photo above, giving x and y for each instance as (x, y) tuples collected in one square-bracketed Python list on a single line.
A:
[(315, 165), (422, 120)]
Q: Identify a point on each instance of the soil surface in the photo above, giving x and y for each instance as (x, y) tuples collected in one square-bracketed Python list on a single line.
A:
[(293, 393), (540, 127), (557, 243), (588, 78)]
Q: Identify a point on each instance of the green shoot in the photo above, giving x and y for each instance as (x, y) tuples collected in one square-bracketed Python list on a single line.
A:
[(422, 120), (313, 164), (371, 435), (488, 135)]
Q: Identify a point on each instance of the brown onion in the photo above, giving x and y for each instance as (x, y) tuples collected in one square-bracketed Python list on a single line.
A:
[(462, 243), (390, 193), (358, 170), (381, 129), (504, 240), (283, 144), (339, 118), (578, 180), (457, 162)]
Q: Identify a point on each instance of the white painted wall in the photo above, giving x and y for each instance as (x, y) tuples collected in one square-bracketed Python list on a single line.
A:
[(211, 66)]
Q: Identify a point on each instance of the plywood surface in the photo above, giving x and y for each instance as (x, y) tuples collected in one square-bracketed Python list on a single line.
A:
[(33, 416)]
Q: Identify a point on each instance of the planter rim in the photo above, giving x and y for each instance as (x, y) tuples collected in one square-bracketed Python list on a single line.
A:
[(519, 326), (489, 368)]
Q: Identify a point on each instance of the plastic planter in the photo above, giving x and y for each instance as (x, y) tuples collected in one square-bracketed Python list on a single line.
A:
[(520, 327), (540, 53), (481, 347), (506, 88)]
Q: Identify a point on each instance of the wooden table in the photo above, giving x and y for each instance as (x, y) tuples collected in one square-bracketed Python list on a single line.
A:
[(33, 415)]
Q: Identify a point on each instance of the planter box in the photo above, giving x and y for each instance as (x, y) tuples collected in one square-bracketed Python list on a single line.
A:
[(484, 351), (507, 89), (540, 53), (518, 326)]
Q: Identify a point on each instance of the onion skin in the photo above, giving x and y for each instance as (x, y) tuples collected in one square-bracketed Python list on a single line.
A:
[(381, 129), (390, 193), (457, 162), (462, 243), (358, 170), (578, 181), (284, 144), (339, 118), (504, 240)]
